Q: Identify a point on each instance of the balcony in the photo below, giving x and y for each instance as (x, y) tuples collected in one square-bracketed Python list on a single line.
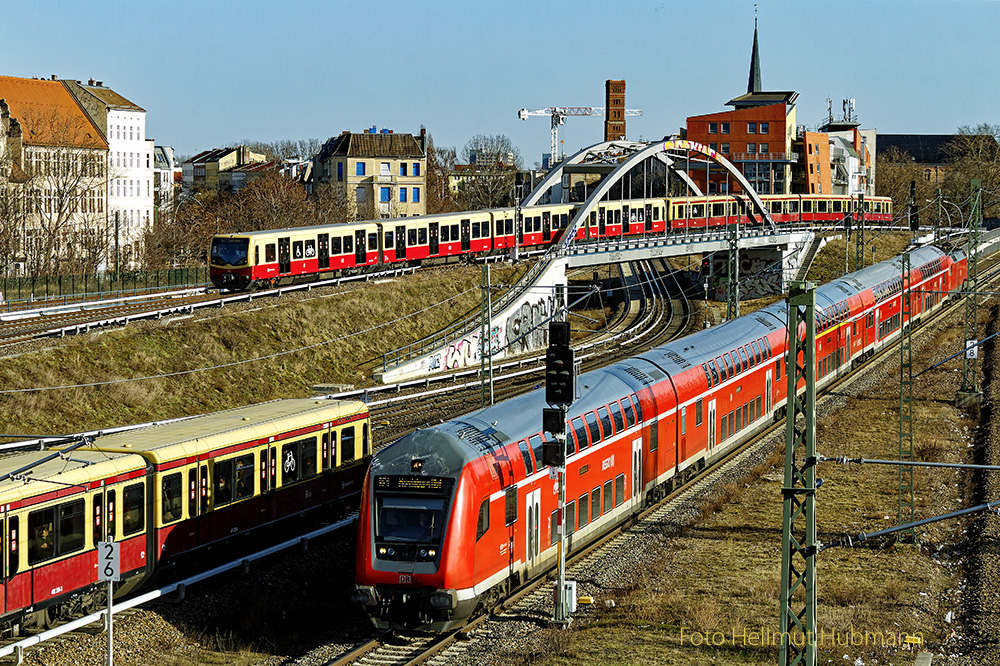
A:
[(385, 178)]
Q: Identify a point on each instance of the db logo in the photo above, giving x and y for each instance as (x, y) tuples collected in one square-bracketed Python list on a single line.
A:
[(405, 579)]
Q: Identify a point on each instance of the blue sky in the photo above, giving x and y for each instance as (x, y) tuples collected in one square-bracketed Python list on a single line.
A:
[(215, 72)]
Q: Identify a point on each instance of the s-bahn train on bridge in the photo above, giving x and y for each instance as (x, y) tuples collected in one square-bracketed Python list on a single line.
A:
[(455, 516), (263, 259)]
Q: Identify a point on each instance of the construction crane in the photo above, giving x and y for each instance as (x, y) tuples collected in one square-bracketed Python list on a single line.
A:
[(559, 115)]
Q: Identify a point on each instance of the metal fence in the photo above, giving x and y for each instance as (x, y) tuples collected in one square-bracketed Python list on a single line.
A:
[(16, 292)]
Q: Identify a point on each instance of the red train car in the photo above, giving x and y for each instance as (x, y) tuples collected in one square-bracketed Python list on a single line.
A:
[(457, 515)]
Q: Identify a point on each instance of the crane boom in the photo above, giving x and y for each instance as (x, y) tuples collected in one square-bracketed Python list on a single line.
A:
[(559, 115)]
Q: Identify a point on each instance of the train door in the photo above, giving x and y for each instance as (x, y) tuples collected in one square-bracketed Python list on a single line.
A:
[(625, 221), (323, 240), (711, 424), (435, 239), (649, 218), (360, 248), (546, 226), (400, 243), (520, 229), (466, 236), (284, 255), (6, 556), (532, 540), (767, 391), (637, 470), (602, 225)]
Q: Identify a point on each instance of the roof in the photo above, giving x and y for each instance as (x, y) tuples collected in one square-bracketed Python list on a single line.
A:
[(213, 155), (763, 98), (110, 98), (392, 144), (254, 166), (46, 475), (48, 114), (923, 148)]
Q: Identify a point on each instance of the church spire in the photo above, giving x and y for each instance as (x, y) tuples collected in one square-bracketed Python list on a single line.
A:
[(753, 84)]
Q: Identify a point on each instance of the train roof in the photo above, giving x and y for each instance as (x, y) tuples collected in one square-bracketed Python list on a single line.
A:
[(209, 432), (42, 472)]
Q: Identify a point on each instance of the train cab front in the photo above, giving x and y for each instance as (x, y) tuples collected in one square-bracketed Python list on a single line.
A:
[(402, 571), (230, 262)]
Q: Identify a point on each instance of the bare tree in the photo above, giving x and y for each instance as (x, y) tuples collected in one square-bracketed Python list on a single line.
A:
[(440, 164), (974, 153), (330, 203), (493, 163)]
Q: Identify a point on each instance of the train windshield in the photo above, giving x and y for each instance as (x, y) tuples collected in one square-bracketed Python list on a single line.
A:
[(230, 251), (409, 519)]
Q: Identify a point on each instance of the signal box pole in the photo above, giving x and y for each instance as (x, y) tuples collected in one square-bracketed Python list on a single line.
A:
[(798, 533), (560, 391)]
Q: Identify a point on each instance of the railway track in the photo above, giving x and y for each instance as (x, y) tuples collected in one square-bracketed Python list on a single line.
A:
[(533, 603)]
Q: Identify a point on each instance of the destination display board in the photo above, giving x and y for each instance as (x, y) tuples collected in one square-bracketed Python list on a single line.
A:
[(430, 485)]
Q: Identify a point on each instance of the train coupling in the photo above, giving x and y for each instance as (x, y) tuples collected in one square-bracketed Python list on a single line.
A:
[(365, 595)]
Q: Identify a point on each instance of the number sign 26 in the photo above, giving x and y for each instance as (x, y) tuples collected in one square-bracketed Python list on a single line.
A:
[(108, 560)]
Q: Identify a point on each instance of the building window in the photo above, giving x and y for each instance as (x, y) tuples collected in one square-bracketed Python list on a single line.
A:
[(383, 195), (751, 148), (820, 188), (416, 168), (927, 174), (751, 128), (386, 169), (340, 171), (725, 128), (402, 194), (402, 168), (359, 195), (713, 146), (725, 149), (416, 195), (764, 128), (360, 169), (765, 147), (713, 128)]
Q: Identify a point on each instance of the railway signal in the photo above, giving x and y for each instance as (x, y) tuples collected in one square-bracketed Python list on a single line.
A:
[(559, 372)]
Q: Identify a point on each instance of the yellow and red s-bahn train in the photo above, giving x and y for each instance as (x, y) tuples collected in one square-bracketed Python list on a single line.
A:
[(261, 259), (169, 494)]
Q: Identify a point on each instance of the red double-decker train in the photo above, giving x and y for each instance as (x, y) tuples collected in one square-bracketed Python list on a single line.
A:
[(457, 515)]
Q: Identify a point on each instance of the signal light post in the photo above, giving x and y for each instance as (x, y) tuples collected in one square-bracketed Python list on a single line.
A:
[(560, 391)]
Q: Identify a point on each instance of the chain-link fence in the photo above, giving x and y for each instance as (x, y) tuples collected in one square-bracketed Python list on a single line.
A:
[(16, 292)]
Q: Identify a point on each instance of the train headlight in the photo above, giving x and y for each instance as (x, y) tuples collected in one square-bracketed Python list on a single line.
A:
[(432, 553), (391, 552), (423, 553), (382, 550)]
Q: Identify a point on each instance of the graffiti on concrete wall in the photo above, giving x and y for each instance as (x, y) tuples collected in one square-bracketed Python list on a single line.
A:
[(525, 326), (466, 352)]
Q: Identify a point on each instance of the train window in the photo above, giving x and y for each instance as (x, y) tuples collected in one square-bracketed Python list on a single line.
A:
[(722, 368), (373, 241), (698, 210), (13, 563), (310, 248), (718, 210), (756, 352), (629, 413), (192, 492), (570, 446), (365, 448), (42, 542), (484, 519), (582, 517), (715, 373), (837, 206), (563, 221), (730, 371), (256, 255), (347, 445), (767, 347), (743, 358), (607, 496), (708, 377), (793, 206), (570, 525), (348, 244), (388, 240), (475, 230), (656, 213), (97, 521), (223, 473), (422, 236), (775, 207), (536, 449), (411, 236), (739, 420), (244, 474), (684, 412), (509, 226), (616, 414), (638, 406), (270, 256), (510, 506), (298, 459), (697, 412), (821, 206), (334, 246), (454, 232), (595, 503), (528, 469), (749, 353), (619, 489), (602, 413), (724, 427), (133, 509), (595, 430), (581, 432), (807, 206), (172, 498)]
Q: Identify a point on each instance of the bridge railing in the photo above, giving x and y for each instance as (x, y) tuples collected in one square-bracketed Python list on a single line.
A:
[(461, 328)]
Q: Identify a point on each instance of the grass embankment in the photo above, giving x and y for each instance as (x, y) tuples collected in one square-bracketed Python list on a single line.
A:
[(333, 331), (712, 596)]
